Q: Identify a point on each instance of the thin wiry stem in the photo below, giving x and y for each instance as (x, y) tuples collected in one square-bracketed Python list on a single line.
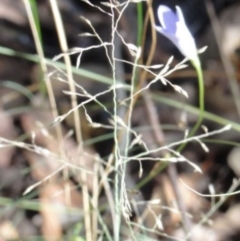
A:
[(121, 146), (116, 149)]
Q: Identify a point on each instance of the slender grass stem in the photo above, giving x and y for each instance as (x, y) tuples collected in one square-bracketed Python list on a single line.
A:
[(197, 66), (139, 23)]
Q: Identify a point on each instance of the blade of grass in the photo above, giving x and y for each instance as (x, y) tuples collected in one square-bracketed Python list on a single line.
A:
[(106, 80), (34, 9), (140, 23), (17, 87)]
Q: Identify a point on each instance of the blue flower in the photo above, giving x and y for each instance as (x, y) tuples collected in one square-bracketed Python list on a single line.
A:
[(175, 29)]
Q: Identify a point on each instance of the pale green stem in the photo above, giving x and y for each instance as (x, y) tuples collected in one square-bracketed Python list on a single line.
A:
[(197, 65)]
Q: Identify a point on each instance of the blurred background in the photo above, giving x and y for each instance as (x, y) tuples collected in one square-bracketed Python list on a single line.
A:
[(45, 212)]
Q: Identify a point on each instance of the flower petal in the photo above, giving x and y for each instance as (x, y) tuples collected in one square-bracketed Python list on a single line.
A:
[(172, 37), (175, 29), (167, 18), (159, 29), (180, 15)]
